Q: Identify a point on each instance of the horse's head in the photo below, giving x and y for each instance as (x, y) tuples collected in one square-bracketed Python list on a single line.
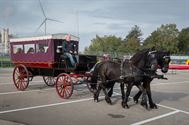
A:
[(151, 60), (146, 59), (163, 60)]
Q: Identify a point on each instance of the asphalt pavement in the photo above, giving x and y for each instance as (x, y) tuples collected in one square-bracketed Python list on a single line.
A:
[(40, 104)]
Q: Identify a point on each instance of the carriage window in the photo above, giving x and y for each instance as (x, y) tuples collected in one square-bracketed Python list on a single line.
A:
[(42, 47), (17, 49), (29, 48)]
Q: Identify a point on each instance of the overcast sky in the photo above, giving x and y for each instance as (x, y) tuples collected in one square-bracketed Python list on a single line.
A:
[(102, 17)]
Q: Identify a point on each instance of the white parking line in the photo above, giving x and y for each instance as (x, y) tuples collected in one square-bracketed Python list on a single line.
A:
[(18, 92), (28, 91), (160, 116), (49, 105), (156, 118), (42, 106), (164, 83), (173, 109), (164, 106), (10, 83)]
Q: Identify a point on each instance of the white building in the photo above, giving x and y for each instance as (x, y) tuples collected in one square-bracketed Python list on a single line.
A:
[(4, 41)]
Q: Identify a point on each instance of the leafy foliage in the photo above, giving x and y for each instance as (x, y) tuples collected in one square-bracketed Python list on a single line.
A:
[(166, 37), (183, 39), (104, 44), (133, 39)]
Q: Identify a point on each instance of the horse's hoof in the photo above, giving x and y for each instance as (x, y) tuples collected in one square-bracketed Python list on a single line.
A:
[(127, 106), (145, 105), (135, 100), (108, 100), (124, 105), (153, 106), (96, 99)]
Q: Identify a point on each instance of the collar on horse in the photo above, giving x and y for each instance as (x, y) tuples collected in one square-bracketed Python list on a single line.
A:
[(145, 72)]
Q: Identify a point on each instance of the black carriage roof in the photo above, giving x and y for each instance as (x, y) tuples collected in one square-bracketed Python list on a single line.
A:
[(46, 37)]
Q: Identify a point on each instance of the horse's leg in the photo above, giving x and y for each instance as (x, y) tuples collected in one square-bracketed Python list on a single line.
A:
[(124, 103), (103, 85), (111, 90), (122, 91), (107, 98), (96, 94), (148, 90), (136, 97), (144, 98)]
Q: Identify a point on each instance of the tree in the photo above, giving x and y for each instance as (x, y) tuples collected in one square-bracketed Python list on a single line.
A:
[(164, 38), (105, 44), (133, 39), (135, 33), (183, 39)]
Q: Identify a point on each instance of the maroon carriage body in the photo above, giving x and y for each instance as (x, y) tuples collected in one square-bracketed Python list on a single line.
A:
[(27, 51), (46, 56)]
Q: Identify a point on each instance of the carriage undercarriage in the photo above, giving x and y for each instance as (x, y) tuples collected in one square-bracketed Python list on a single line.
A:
[(64, 82)]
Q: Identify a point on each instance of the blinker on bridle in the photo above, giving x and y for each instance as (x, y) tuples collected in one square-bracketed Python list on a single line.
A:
[(152, 52), (166, 58)]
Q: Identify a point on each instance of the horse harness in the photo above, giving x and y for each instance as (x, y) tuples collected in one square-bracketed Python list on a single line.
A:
[(146, 72)]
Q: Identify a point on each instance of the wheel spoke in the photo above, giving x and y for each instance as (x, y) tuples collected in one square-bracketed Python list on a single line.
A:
[(17, 83), (17, 73), (67, 91), (64, 94), (16, 80), (24, 83), (61, 91), (59, 83), (20, 85)]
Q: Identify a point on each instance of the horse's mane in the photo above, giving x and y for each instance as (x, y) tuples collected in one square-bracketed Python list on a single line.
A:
[(137, 57)]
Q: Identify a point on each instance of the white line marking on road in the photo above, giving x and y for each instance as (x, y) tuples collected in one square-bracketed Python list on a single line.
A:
[(162, 105), (10, 83), (155, 118), (164, 83), (18, 92), (173, 108), (42, 106), (49, 105)]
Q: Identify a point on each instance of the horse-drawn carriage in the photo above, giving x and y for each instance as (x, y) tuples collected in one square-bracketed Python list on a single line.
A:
[(46, 56)]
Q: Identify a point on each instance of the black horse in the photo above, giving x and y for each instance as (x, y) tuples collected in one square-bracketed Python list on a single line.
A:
[(163, 59), (130, 71)]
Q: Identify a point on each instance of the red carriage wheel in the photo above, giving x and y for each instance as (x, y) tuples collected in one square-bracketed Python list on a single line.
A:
[(64, 86), (49, 80), (21, 77)]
